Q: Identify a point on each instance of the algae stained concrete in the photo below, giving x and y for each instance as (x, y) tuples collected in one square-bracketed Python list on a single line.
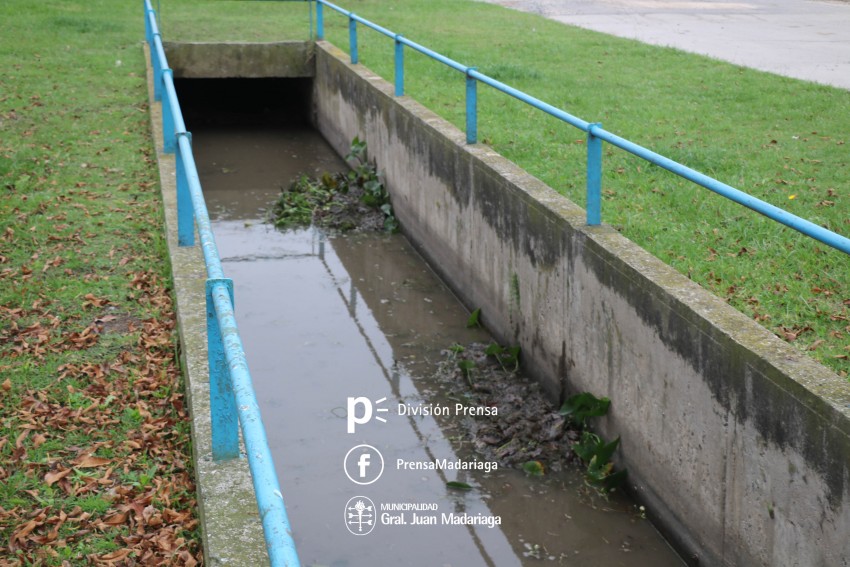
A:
[(739, 444), (201, 60)]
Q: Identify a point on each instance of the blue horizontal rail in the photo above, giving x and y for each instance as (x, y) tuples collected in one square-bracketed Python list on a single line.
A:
[(233, 403), (595, 134)]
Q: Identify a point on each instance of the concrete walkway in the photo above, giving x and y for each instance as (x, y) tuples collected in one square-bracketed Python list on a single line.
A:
[(804, 39)]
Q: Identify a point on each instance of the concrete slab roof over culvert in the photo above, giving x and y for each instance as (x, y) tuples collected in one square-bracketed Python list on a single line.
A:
[(804, 39)]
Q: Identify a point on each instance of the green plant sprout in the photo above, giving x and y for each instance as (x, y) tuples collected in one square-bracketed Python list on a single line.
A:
[(594, 451)]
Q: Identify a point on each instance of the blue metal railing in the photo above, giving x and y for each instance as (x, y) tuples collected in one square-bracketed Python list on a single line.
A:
[(595, 134), (232, 399)]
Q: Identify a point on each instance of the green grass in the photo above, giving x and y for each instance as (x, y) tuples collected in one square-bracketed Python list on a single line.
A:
[(779, 139), (234, 20), (86, 323)]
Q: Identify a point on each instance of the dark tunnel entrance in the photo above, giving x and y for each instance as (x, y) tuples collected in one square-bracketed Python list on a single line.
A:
[(258, 103)]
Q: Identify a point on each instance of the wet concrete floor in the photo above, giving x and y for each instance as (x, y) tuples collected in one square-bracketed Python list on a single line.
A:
[(328, 319)]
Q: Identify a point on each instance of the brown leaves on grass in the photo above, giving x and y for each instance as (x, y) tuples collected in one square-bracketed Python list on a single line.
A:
[(92, 301), (150, 534), (130, 459), (40, 338), (54, 263), (791, 334)]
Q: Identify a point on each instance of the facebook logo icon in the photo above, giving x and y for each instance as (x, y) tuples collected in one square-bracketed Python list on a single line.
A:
[(363, 464)]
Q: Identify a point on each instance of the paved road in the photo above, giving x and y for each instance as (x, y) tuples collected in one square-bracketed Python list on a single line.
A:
[(805, 39)]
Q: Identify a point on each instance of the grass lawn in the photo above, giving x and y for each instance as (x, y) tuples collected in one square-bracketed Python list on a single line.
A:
[(781, 140), (95, 454)]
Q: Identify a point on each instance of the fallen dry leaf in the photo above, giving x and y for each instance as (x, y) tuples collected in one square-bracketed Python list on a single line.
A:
[(92, 301), (117, 519), (89, 461), (19, 442), (116, 555), (55, 476)]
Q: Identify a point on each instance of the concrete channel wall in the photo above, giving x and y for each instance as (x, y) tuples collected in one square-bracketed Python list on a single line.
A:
[(738, 443)]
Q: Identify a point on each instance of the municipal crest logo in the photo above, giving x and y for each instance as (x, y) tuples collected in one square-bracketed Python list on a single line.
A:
[(360, 515)]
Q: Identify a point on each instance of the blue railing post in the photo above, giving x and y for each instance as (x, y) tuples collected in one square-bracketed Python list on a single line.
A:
[(352, 38), (594, 176), (185, 214), (157, 68), (276, 527), (169, 142), (320, 20), (225, 421), (399, 66), (471, 107)]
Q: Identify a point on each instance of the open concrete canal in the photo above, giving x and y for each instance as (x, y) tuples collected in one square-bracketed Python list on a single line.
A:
[(343, 336)]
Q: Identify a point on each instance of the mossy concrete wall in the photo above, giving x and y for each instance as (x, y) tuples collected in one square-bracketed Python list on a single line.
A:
[(739, 443)]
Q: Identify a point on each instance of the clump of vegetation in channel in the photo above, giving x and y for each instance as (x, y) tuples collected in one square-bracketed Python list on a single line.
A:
[(507, 357), (353, 200), (528, 432)]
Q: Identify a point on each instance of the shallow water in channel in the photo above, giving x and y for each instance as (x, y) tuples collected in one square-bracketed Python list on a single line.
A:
[(324, 319)]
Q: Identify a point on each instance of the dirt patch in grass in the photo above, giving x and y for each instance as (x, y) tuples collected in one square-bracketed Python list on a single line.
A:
[(115, 322)]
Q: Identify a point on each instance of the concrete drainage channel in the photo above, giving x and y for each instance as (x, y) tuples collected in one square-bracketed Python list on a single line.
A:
[(691, 450), (328, 318)]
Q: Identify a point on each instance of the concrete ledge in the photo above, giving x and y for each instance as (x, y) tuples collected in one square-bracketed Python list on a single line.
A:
[(230, 522), (739, 443), (198, 60)]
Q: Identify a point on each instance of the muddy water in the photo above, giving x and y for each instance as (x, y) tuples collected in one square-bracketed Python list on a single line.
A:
[(328, 319)]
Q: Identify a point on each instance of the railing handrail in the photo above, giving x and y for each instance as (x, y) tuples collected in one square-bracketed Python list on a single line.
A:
[(595, 135), (233, 402)]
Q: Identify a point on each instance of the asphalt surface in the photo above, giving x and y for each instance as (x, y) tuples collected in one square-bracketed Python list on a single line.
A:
[(804, 39)]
